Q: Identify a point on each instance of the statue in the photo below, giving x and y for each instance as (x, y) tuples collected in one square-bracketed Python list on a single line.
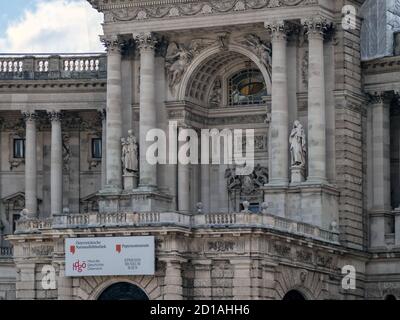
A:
[(130, 152), (216, 95), (262, 50), (298, 145)]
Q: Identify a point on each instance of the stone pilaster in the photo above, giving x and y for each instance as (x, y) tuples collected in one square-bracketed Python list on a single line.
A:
[(381, 203), (173, 283), (148, 112), (316, 28), (279, 131), (242, 280), (183, 180), (114, 116), (31, 164), (64, 284), (25, 285), (56, 177)]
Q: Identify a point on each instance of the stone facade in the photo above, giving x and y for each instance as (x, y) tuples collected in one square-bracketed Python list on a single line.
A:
[(287, 226)]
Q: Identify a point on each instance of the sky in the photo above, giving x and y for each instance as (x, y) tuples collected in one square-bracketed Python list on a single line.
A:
[(49, 26)]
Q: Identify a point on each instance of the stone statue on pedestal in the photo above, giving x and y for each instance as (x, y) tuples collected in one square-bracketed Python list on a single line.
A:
[(130, 153), (298, 145), (130, 160), (298, 151)]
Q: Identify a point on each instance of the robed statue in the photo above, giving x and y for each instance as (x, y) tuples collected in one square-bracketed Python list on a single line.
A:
[(298, 145), (130, 153)]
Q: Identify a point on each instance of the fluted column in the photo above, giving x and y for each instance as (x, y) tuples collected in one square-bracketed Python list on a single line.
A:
[(114, 116), (279, 134), (316, 28), (30, 164), (183, 179), (56, 176), (148, 112)]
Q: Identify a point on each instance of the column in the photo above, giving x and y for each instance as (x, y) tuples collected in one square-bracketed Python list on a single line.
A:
[(30, 164), (103, 117), (183, 179), (279, 130), (56, 176), (114, 116), (148, 111), (381, 208), (316, 101)]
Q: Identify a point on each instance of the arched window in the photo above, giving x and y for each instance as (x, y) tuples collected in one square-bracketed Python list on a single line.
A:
[(390, 297), (246, 87), (294, 295), (123, 291)]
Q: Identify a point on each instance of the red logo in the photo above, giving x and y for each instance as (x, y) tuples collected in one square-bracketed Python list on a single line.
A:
[(78, 266), (118, 248), (72, 249)]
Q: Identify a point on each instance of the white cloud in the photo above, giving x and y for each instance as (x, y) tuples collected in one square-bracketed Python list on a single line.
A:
[(55, 26)]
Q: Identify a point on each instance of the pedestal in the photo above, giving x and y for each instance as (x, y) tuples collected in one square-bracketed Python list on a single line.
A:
[(130, 181), (138, 200), (298, 174)]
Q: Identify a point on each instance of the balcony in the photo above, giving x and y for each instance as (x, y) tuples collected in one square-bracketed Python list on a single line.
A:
[(229, 221), (53, 67)]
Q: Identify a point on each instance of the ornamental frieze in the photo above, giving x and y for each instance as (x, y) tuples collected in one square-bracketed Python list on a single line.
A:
[(128, 10)]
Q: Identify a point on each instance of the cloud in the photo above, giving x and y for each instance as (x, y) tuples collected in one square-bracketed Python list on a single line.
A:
[(55, 26)]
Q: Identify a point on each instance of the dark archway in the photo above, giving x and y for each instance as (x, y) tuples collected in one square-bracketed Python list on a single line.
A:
[(390, 297), (294, 295), (123, 291)]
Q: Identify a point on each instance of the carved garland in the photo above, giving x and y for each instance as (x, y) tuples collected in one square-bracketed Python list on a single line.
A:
[(139, 11)]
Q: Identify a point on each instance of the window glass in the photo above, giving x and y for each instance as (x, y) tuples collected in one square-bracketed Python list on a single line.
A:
[(247, 87), (19, 148), (96, 148)]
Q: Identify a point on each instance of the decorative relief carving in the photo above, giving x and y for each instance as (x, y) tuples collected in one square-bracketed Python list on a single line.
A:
[(42, 250), (262, 49), (179, 57), (247, 184), (130, 10), (66, 150)]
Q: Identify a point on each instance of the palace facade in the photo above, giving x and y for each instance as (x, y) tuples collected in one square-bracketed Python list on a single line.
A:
[(325, 190)]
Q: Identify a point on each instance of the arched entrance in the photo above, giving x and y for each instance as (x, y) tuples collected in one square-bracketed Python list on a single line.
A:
[(123, 291), (294, 295)]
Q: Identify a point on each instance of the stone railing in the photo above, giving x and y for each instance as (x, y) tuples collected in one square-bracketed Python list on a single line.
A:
[(51, 67), (175, 219), (6, 252)]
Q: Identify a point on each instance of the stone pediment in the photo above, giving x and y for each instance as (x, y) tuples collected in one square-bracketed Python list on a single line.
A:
[(128, 10)]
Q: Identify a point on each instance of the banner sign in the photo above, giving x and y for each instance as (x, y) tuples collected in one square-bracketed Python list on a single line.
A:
[(126, 256)]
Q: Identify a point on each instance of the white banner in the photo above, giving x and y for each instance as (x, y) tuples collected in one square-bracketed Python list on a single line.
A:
[(109, 256)]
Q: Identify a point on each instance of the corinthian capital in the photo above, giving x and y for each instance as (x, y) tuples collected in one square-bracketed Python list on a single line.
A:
[(146, 41), (29, 115), (277, 29), (112, 43), (54, 116), (316, 26)]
